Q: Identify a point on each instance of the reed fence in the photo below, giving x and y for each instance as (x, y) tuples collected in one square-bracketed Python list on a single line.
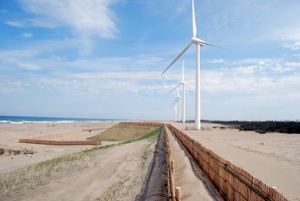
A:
[(142, 123), (52, 142), (59, 135), (171, 175), (233, 182)]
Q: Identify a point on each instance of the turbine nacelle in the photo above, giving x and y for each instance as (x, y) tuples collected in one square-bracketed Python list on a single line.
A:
[(198, 41)]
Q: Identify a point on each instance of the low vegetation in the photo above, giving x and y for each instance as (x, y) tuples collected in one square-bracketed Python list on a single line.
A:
[(38, 174), (271, 126), (123, 133), (264, 126)]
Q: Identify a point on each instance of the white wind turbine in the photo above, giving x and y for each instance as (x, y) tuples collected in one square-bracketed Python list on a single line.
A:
[(199, 43), (176, 102), (183, 83)]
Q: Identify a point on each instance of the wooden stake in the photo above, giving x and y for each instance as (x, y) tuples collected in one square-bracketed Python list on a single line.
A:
[(178, 194)]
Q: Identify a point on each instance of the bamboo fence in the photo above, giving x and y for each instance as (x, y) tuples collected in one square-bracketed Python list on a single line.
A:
[(142, 123), (59, 135), (233, 182), (171, 174), (52, 142), (43, 139)]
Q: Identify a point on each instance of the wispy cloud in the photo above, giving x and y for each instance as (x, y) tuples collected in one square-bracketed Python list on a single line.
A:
[(293, 46), (217, 61), (29, 66), (27, 35), (292, 38), (15, 24), (264, 81), (86, 19)]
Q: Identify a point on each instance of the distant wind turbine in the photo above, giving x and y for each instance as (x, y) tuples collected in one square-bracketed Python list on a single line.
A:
[(176, 102), (199, 43), (183, 83)]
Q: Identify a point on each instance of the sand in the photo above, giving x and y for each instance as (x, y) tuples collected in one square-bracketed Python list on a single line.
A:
[(273, 157), (116, 173), (192, 187), (11, 133)]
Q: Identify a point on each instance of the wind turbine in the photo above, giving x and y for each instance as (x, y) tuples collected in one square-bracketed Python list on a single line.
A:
[(176, 102), (183, 83), (199, 43)]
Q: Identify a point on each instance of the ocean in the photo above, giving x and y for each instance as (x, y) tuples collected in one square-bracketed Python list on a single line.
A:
[(26, 119)]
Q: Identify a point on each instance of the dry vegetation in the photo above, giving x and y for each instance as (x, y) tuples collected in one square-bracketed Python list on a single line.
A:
[(123, 133)]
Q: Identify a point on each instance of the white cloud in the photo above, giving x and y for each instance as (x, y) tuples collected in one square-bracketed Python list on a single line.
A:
[(246, 70), (86, 19), (29, 66), (292, 38), (257, 82), (294, 46), (293, 64), (15, 24), (280, 69), (27, 35), (217, 61)]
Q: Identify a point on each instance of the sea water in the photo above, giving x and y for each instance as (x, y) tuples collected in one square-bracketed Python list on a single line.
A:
[(27, 119)]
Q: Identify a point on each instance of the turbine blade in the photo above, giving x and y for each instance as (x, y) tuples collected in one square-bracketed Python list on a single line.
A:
[(177, 93), (194, 20), (174, 88), (175, 101), (187, 47), (182, 71), (214, 46)]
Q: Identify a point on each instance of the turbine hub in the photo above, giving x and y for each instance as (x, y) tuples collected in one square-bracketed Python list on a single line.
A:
[(198, 41)]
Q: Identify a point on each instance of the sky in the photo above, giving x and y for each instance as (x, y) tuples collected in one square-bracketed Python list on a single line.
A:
[(104, 58)]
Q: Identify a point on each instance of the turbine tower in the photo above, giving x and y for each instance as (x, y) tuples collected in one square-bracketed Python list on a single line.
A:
[(175, 112), (199, 43), (183, 83), (178, 97)]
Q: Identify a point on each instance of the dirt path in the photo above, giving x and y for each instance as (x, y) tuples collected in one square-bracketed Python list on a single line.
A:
[(113, 174)]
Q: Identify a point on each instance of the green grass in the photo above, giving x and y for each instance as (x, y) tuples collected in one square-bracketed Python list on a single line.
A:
[(35, 175), (123, 133)]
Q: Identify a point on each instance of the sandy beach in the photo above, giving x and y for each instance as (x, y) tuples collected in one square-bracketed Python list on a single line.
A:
[(109, 174), (273, 158), (11, 133)]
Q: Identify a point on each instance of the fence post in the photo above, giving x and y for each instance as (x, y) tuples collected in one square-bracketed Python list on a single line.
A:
[(172, 180), (178, 194)]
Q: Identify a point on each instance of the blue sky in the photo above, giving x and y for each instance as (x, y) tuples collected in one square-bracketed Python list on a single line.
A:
[(103, 58)]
